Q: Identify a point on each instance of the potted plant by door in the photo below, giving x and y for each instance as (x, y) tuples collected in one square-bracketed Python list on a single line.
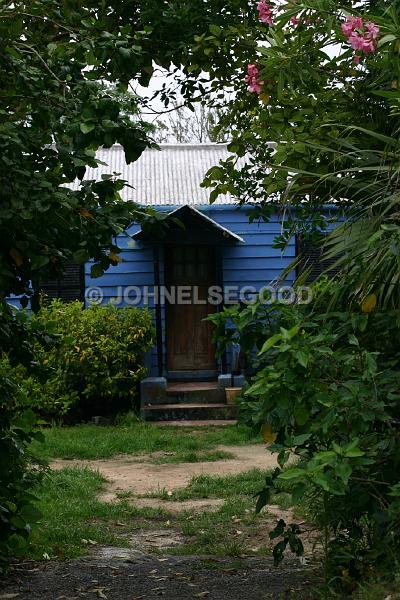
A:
[(232, 393)]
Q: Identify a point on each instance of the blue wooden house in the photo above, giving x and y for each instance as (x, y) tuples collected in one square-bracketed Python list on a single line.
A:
[(205, 247)]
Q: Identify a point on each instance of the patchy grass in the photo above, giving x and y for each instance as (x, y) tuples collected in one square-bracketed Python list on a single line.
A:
[(232, 530), (73, 517), (95, 442), (193, 457), (229, 531), (214, 486)]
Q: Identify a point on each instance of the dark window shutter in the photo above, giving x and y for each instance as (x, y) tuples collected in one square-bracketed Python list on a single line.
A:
[(68, 288), (311, 258)]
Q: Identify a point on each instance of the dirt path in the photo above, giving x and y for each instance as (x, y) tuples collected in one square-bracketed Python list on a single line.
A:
[(139, 476)]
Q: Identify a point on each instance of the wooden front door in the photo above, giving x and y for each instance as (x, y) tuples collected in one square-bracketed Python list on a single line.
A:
[(189, 346)]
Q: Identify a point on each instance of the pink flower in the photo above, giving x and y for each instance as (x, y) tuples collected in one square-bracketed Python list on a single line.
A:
[(252, 79), (373, 30), (368, 47), (294, 21), (356, 41), (361, 36), (351, 24), (265, 12)]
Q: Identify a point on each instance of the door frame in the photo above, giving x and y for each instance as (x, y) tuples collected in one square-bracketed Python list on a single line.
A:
[(195, 374)]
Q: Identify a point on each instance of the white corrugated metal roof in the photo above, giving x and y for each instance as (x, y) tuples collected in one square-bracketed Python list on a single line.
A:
[(170, 176)]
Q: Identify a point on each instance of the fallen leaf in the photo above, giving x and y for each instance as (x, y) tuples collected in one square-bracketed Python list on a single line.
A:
[(99, 591), (4, 596), (202, 595), (229, 570)]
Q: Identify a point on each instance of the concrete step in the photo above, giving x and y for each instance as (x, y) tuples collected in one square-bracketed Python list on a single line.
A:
[(189, 411), (210, 396)]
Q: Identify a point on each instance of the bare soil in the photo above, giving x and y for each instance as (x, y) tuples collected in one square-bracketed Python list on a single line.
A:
[(139, 476)]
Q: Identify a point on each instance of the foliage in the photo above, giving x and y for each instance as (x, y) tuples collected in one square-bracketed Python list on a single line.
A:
[(96, 363), (327, 391), (17, 503), (65, 73), (334, 127)]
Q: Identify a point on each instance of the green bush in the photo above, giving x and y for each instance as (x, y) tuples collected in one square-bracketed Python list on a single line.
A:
[(18, 467), (327, 391), (93, 365)]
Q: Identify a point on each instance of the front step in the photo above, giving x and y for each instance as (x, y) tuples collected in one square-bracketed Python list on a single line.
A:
[(196, 401), (189, 412), (195, 393)]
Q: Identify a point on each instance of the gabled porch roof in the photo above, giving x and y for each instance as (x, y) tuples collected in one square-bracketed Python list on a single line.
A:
[(190, 221)]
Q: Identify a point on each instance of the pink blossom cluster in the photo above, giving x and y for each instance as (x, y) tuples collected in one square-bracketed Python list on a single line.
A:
[(361, 35), (252, 79), (265, 12)]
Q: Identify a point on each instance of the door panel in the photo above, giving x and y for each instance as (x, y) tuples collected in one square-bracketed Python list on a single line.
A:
[(189, 345)]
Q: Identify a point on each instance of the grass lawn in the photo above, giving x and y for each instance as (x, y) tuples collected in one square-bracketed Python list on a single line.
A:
[(73, 518), (185, 444)]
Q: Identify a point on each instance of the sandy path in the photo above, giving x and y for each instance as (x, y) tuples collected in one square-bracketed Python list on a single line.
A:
[(138, 476)]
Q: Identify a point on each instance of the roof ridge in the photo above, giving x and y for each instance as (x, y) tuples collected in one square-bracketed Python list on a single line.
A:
[(177, 145)]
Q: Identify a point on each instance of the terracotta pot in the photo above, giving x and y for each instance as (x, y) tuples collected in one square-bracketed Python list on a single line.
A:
[(232, 393)]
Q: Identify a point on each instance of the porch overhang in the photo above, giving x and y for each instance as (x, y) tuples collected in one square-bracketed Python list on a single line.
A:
[(187, 224)]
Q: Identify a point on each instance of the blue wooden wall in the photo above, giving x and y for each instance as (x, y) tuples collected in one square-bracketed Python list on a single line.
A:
[(252, 263)]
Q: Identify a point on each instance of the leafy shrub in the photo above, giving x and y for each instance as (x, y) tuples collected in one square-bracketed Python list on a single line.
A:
[(94, 364), (327, 390), (17, 509)]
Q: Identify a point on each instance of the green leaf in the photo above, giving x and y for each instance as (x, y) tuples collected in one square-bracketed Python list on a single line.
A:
[(270, 342), (293, 473), (301, 414), (215, 30), (302, 358), (353, 453), (86, 127)]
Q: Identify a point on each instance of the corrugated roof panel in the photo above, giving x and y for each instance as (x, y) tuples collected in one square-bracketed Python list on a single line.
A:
[(168, 176)]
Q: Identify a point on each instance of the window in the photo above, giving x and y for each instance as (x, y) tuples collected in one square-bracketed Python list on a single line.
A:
[(312, 259), (70, 287)]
